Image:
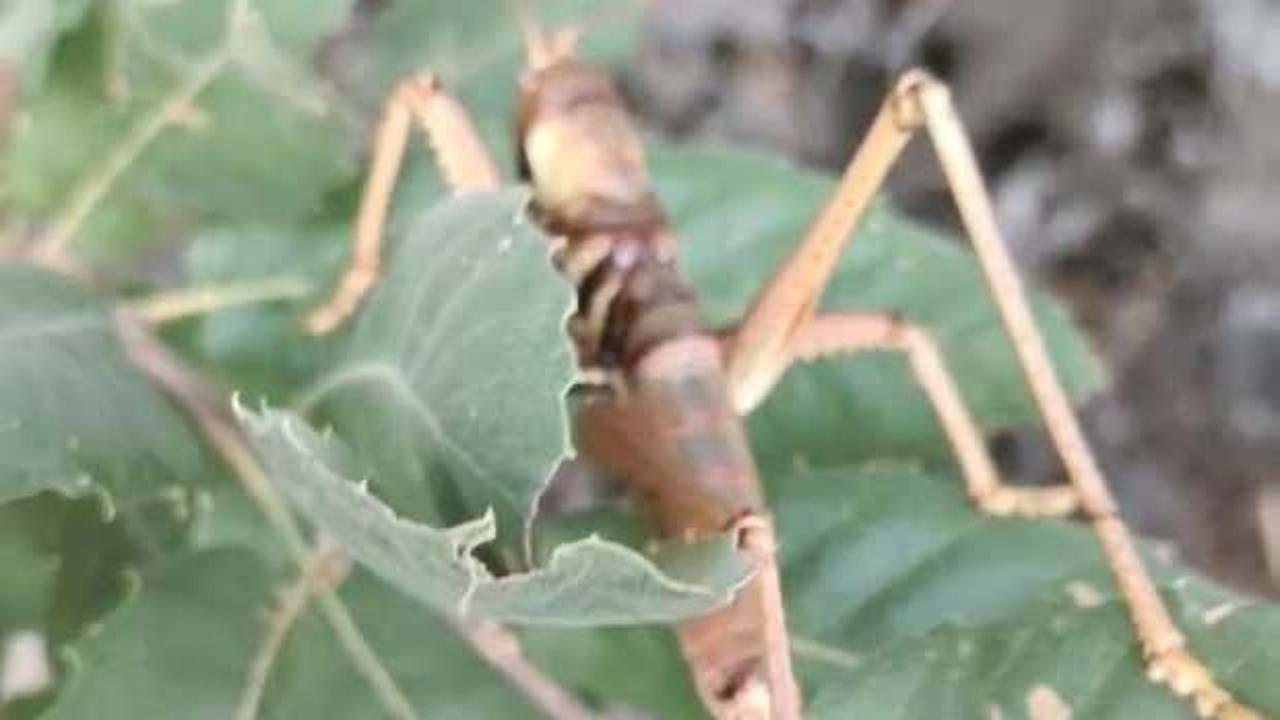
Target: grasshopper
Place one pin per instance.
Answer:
(667, 416)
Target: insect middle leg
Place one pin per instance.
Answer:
(464, 162)
(782, 325)
(833, 333)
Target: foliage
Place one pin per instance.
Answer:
(218, 143)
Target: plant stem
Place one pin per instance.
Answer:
(172, 305)
(293, 600)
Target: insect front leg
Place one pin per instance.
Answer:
(464, 162)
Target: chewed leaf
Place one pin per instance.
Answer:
(450, 393)
(301, 464)
(75, 415)
(594, 582)
(585, 583)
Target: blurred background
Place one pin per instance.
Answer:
(1133, 150)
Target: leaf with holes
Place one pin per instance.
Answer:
(584, 583)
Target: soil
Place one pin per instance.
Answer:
(1134, 160)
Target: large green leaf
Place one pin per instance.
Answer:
(64, 565)
(185, 641)
(74, 414)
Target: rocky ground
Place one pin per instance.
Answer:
(1135, 161)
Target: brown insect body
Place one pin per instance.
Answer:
(669, 428)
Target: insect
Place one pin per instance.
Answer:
(667, 416)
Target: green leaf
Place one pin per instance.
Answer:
(738, 215)
(584, 583)
(903, 600)
(639, 668)
(899, 566)
(450, 391)
(188, 636)
(74, 413)
(64, 566)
